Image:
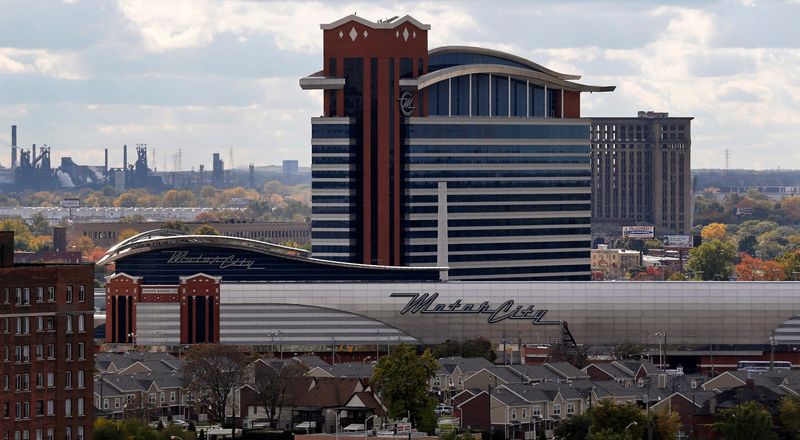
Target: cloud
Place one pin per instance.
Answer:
(60, 65)
(182, 24)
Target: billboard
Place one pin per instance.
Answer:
(71, 203)
(638, 232)
(678, 241)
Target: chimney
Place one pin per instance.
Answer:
(13, 147)
(59, 238)
(6, 248)
(662, 381)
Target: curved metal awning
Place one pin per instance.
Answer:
(500, 54)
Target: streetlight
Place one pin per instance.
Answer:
(336, 415)
(627, 434)
(367, 421)
(132, 337)
(661, 355)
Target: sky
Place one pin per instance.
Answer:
(204, 76)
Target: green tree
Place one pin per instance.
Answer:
(712, 260)
(610, 420)
(574, 428)
(790, 264)
(747, 244)
(214, 372)
(789, 414)
(40, 225)
(175, 225)
(402, 380)
(746, 421)
(23, 238)
(478, 347)
(205, 230)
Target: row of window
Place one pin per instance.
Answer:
(22, 295)
(501, 233)
(22, 352)
(151, 398)
(42, 380)
(43, 323)
(536, 411)
(495, 149)
(42, 408)
(496, 208)
(46, 434)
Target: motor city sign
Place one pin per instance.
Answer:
(222, 262)
(406, 103)
(425, 303)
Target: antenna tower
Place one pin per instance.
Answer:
(727, 160)
(230, 159)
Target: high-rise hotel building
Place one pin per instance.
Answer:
(46, 348)
(457, 156)
(641, 173)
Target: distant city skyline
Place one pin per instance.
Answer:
(206, 76)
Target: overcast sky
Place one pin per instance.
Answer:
(205, 75)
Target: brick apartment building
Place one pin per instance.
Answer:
(46, 349)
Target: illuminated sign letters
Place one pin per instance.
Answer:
(223, 262)
(406, 103)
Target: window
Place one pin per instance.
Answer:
(5, 354)
(513, 413)
(6, 295)
(163, 398)
(570, 408)
(68, 407)
(50, 434)
(105, 403)
(5, 410)
(51, 295)
(81, 350)
(68, 433)
(51, 351)
(51, 323)
(80, 432)
(116, 402)
(69, 323)
(81, 323)
(26, 296)
(524, 413)
(69, 294)
(40, 323)
(537, 411)
(152, 397)
(68, 379)
(81, 380)
(39, 407)
(172, 396)
(39, 380)
(39, 352)
(51, 379)
(81, 293)
(556, 409)
(39, 434)
(6, 325)
(436, 381)
(68, 351)
(80, 406)
(5, 382)
(39, 294)
(18, 296)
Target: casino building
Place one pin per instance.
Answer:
(172, 290)
(463, 157)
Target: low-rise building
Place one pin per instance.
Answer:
(615, 263)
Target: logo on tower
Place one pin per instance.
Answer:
(406, 103)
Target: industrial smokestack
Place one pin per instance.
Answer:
(13, 147)
(252, 179)
(59, 238)
(125, 157)
(33, 158)
(105, 166)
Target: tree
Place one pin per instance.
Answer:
(23, 238)
(712, 260)
(214, 372)
(174, 225)
(84, 244)
(138, 429)
(745, 421)
(273, 388)
(665, 426)
(205, 230)
(574, 428)
(714, 231)
(478, 347)
(789, 414)
(402, 380)
(790, 264)
(610, 419)
(747, 244)
(127, 233)
(756, 269)
(40, 225)
(627, 350)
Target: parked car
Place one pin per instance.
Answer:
(180, 423)
(260, 424)
(443, 410)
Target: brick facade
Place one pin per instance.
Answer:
(46, 352)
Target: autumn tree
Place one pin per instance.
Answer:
(756, 269)
(789, 414)
(574, 428)
(746, 421)
(479, 347)
(712, 260)
(272, 386)
(610, 420)
(213, 372)
(714, 231)
(790, 264)
(205, 230)
(402, 379)
(127, 233)
(84, 244)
